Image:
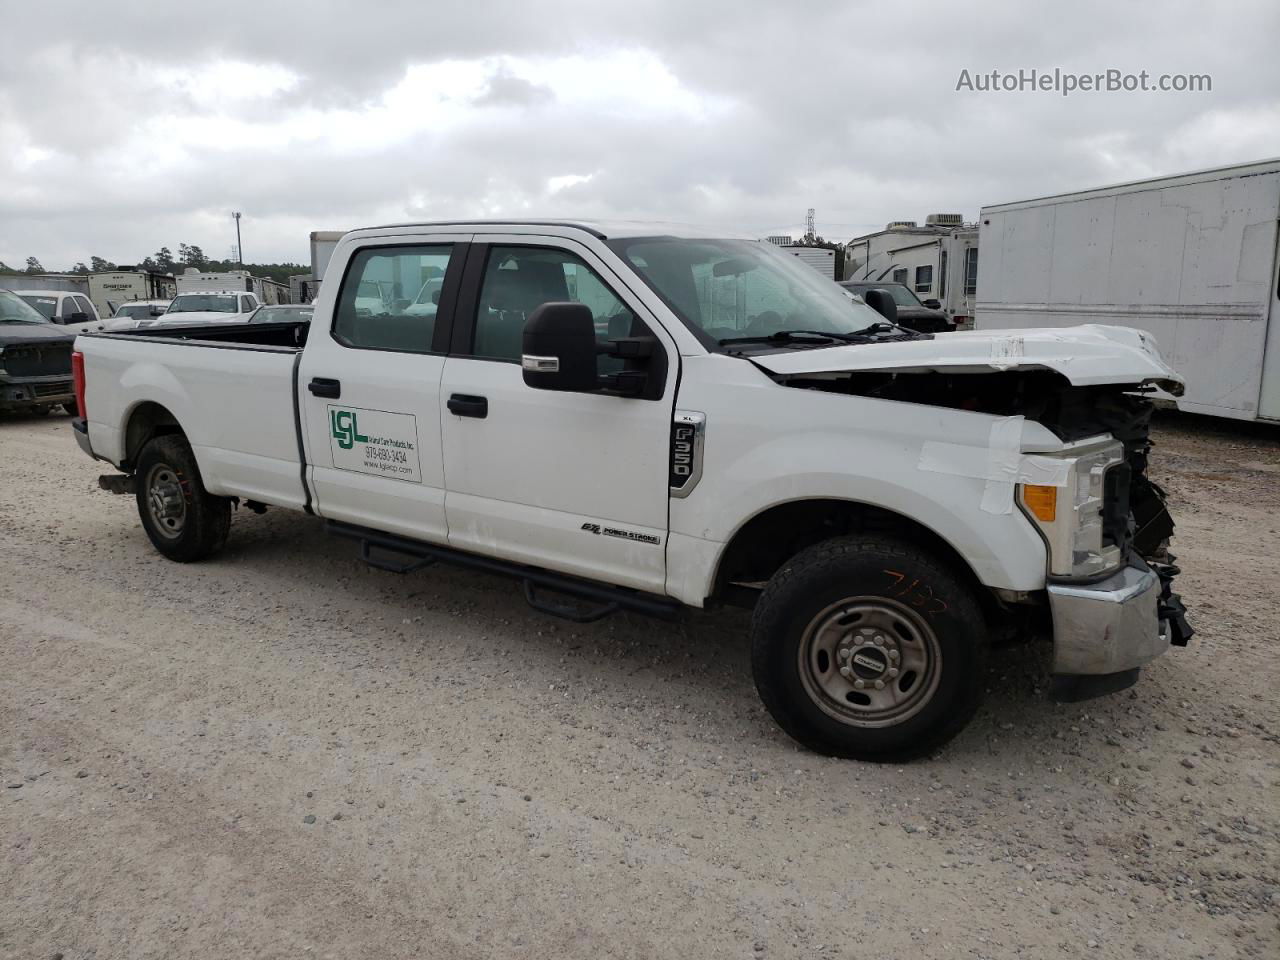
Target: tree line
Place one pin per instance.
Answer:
(164, 261)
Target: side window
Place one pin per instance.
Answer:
(900, 275)
(389, 296)
(517, 280)
(83, 306)
(924, 279)
(247, 304)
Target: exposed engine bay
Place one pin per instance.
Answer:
(1135, 517)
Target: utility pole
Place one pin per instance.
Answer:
(809, 232)
(239, 249)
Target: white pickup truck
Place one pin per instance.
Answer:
(639, 417)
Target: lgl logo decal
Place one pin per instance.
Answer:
(344, 428)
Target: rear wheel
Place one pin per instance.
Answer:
(868, 648)
(183, 520)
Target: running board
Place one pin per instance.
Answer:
(595, 600)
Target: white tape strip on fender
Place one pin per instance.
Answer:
(1001, 463)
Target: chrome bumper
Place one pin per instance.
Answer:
(1109, 626)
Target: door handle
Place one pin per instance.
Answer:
(465, 405)
(324, 387)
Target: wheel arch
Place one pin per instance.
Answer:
(760, 546)
(144, 422)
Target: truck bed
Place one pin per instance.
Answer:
(233, 388)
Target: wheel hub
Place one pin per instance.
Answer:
(870, 661)
(166, 501)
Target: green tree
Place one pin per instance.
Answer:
(98, 265)
(33, 265)
(80, 268)
(192, 256)
(164, 260)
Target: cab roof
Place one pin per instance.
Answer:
(602, 229)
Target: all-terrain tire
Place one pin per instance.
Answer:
(853, 612)
(183, 520)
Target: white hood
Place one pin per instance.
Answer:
(1088, 355)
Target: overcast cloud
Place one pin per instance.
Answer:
(122, 129)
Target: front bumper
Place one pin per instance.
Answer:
(21, 392)
(1114, 625)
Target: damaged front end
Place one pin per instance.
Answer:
(1106, 525)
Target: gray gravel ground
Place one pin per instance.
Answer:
(283, 753)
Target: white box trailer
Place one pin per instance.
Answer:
(1191, 259)
(819, 258)
(228, 281)
(323, 243)
(109, 289)
(64, 282)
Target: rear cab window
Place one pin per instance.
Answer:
(390, 297)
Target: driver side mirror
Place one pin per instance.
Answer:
(933, 304)
(882, 303)
(76, 318)
(560, 348)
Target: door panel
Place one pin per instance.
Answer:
(369, 387)
(576, 482)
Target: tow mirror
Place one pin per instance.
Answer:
(882, 303)
(933, 304)
(560, 348)
(77, 318)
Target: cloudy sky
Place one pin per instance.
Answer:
(123, 128)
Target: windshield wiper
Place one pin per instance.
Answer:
(800, 336)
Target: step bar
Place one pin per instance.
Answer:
(601, 599)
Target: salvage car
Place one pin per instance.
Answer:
(35, 360)
(640, 418)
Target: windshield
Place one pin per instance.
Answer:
(14, 309)
(901, 295)
(727, 289)
(136, 310)
(212, 302)
(282, 314)
(47, 306)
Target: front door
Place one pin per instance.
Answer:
(576, 482)
(369, 387)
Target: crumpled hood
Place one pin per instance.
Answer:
(1088, 355)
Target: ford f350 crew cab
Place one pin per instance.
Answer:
(643, 418)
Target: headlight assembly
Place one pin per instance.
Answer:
(1071, 517)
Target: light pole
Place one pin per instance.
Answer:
(239, 249)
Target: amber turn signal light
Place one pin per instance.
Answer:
(1041, 501)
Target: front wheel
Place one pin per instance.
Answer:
(868, 648)
(182, 519)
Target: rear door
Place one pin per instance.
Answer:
(576, 482)
(369, 388)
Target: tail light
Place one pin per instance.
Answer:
(77, 378)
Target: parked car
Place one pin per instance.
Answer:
(128, 314)
(35, 359)
(633, 418)
(927, 316)
(284, 313)
(75, 311)
(203, 308)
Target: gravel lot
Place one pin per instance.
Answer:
(283, 753)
